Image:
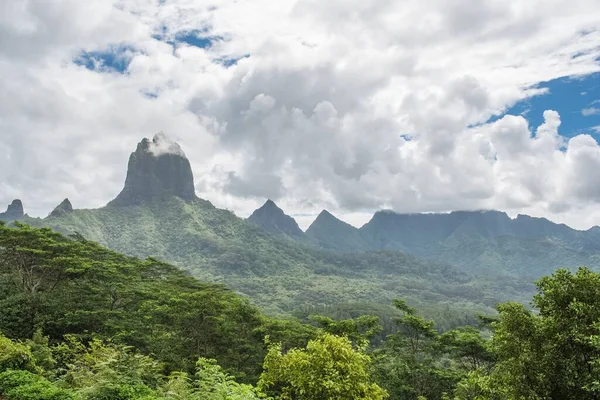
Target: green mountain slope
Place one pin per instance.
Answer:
(484, 243)
(72, 286)
(278, 274)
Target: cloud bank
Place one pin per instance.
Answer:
(347, 105)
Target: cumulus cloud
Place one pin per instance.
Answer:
(347, 105)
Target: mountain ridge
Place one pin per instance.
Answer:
(277, 273)
(64, 207)
(480, 242)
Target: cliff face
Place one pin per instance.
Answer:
(13, 212)
(157, 168)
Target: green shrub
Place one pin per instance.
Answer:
(41, 352)
(117, 391)
(24, 385)
(14, 355)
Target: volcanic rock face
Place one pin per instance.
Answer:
(13, 212)
(157, 168)
(63, 208)
(272, 219)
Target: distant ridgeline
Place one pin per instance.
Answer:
(477, 242)
(333, 264)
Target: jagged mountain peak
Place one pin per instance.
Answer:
(13, 212)
(157, 168)
(270, 204)
(65, 207)
(325, 214)
(332, 233)
(269, 208)
(325, 217)
(274, 220)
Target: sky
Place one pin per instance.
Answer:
(346, 105)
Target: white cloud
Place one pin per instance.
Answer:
(347, 105)
(586, 112)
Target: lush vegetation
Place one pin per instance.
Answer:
(283, 276)
(68, 286)
(81, 322)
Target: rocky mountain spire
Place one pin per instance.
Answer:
(65, 207)
(157, 168)
(13, 212)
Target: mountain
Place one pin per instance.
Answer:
(158, 168)
(331, 233)
(65, 207)
(485, 242)
(272, 219)
(167, 221)
(13, 212)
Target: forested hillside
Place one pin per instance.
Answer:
(278, 274)
(81, 322)
(157, 214)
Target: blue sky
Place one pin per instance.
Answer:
(116, 58)
(570, 96)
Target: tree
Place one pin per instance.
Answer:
(360, 330)
(466, 345)
(409, 364)
(36, 262)
(329, 368)
(478, 385)
(551, 354)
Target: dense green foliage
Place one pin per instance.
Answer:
(553, 354)
(73, 286)
(101, 371)
(329, 368)
(81, 322)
